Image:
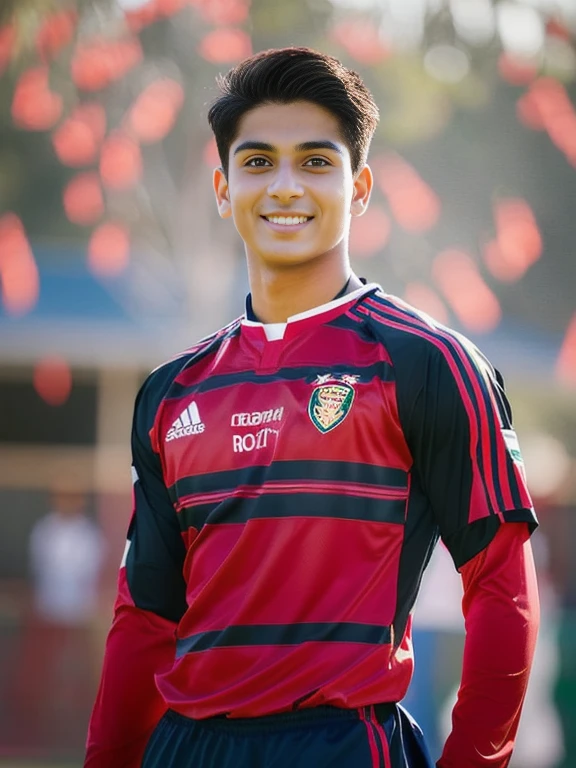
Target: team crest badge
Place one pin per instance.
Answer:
(331, 401)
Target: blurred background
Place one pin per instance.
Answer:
(113, 258)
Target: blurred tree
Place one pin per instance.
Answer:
(151, 72)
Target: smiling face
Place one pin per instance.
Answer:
(290, 187)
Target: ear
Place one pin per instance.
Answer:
(222, 192)
(363, 183)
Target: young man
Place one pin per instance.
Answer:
(292, 474)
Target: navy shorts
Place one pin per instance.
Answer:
(380, 736)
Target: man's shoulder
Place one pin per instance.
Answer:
(169, 369)
(412, 336)
(160, 379)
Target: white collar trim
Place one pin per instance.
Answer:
(276, 330)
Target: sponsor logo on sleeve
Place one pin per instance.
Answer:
(512, 445)
(513, 448)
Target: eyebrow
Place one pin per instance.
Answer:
(306, 146)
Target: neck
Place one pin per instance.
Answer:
(280, 292)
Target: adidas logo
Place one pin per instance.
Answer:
(188, 423)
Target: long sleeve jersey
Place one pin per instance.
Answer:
(288, 494)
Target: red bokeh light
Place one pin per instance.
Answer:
(98, 63)
(473, 302)
(562, 131)
(77, 140)
(528, 112)
(138, 18)
(210, 154)
(120, 161)
(369, 233)
(83, 200)
(153, 114)
(516, 70)
(426, 300)
(518, 240)
(517, 229)
(34, 106)
(56, 32)
(499, 266)
(550, 97)
(7, 40)
(109, 249)
(548, 102)
(226, 45)
(18, 270)
(223, 11)
(170, 7)
(361, 40)
(415, 205)
(555, 28)
(53, 380)
(566, 364)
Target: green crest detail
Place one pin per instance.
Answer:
(329, 405)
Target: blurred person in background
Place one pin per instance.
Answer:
(66, 556)
(55, 671)
(292, 474)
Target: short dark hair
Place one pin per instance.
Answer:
(286, 75)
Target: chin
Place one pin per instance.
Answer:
(288, 259)
(293, 254)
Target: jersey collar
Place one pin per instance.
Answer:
(304, 320)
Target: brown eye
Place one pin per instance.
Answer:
(257, 162)
(317, 162)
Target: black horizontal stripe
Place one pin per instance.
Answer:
(275, 505)
(381, 370)
(302, 470)
(284, 634)
(521, 516)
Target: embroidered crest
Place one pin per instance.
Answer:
(331, 401)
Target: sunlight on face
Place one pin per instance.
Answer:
(290, 185)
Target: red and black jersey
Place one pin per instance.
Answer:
(289, 493)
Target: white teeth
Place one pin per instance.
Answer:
(287, 220)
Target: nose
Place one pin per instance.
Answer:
(285, 186)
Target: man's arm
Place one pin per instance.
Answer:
(466, 458)
(150, 602)
(128, 705)
(501, 611)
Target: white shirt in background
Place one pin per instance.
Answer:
(66, 558)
